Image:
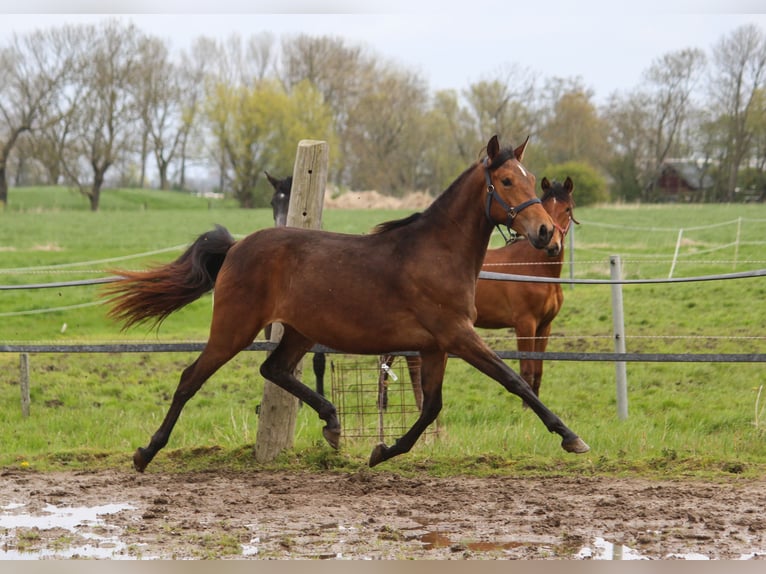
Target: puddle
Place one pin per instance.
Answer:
(599, 549)
(81, 521)
(435, 539)
(602, 549)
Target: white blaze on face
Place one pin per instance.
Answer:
(523, 171)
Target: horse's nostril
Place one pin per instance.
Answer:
(545, 234)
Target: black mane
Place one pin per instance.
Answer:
(397, 223)
(556, 191)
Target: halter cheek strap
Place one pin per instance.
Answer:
(510, 211)
(563, 230)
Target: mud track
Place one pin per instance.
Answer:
(381, 515)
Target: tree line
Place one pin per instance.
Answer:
(83, 105)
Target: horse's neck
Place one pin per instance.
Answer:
(460, 223)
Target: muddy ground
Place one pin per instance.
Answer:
(379, 515)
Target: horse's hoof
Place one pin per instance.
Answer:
(576, 445)
(332, 436)
(139, 463)
(378, 454)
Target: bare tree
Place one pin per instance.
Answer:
(343, 73)
(166, 111)
(671, 80)
(32, 70)
(385, 132)
(192, 74)
(108, 112)
(739, 75)
(503, 104)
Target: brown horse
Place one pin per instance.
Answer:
(529, 308)
(410, 285)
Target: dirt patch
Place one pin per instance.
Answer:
(383, 515)
(417, 200)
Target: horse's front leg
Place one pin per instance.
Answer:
(432, 367)
(476, 352)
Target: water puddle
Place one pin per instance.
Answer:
(599, 549)
(602, 549)
(86, 533)
(437, 539)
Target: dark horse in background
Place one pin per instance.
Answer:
(409, 286)
(280, 202)
(526, 307)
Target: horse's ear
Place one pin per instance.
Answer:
(519, 151)
(545, 184)
(568, 185)
(272, 180)
(492, 148)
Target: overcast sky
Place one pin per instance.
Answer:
(451, 44)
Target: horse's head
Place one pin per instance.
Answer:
(280, 201)
(559, 203)
(511, 198)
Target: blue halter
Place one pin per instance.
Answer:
(511, 212)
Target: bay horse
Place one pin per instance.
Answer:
(527, 308)
(410, 285)
(280, 203)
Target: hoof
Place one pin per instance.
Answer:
(378, 454)
(139, 462)
(576, 445)
(332, 436)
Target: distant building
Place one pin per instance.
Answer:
(682, 181)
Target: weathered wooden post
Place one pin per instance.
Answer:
(279, 409)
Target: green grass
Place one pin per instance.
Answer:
(92, 410)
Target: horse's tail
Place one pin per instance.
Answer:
(140, 296)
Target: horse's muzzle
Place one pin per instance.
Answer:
(553, 248)
(543, 237)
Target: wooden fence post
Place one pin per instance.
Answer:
(279, 409)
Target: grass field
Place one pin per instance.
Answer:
(94, 409)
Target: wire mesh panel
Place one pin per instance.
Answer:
(374, 396)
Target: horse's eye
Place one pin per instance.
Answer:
(506, 181)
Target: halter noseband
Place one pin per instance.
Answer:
(511, 212)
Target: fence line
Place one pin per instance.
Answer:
(93, 262)
(531, 279)
(696, 228)
(190, 347)
(482, 275)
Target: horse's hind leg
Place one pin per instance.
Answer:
(319, 364)
(278, 368)
(432, 367)
(194, 376)
(231, 330)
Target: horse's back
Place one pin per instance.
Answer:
(333, 288)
